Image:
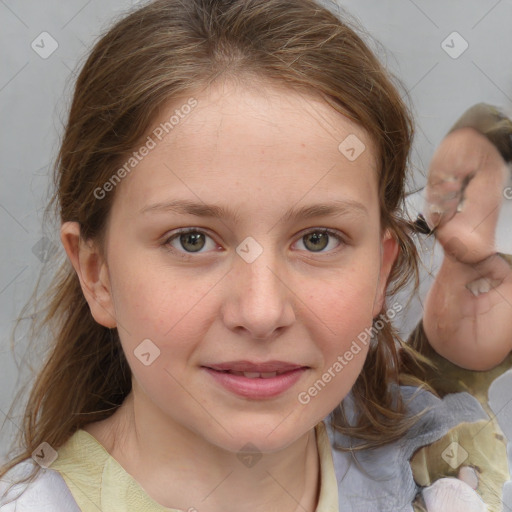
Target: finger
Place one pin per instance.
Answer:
(468, 475)
(444, 197)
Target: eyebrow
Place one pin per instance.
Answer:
(333, 208)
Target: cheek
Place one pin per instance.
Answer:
(153, 302)
(347, 332)
(162, 322)
(340, 322)
(344, 301)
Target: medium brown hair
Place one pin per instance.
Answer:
(170, 48)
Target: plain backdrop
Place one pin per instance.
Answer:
(449, 55)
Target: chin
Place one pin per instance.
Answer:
(262, 436)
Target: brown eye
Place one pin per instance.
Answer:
(193, 241)
(320, 239)
(189, 241)
(316, 241)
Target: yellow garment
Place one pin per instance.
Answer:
(482, 445)
(98, 482)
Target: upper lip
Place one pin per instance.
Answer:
(250, 366)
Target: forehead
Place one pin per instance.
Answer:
(263, 114)
(260, 142)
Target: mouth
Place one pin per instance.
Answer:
(252, 370)
(253, 375)
(256, 380)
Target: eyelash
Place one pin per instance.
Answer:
(186, 254)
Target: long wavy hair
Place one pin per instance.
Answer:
(169, 48)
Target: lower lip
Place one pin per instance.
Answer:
(258, 388)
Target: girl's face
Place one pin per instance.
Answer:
(238, 331)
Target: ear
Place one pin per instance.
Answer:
(92, 272)
(389, 253)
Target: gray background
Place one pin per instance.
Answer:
(35, 92)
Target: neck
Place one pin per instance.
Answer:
(179, 469)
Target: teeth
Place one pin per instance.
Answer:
(258, 375)
(255, 375)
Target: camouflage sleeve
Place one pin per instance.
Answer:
(491, 122)
(475, 451)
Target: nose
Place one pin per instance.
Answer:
(259, 302)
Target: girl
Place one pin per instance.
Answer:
(229, 187)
